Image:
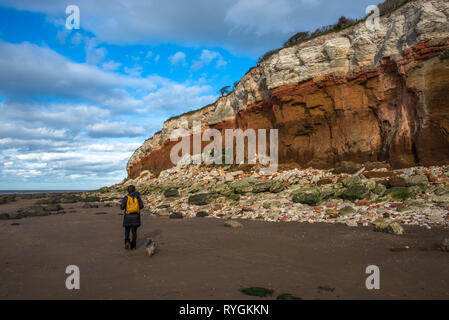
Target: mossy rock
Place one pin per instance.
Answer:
(352, 180)
(329, 191)
(90, 205)
(53, 207)
(49, 201)
(251, 185)
(382, 225)
(287, 296)
(234, 197)
(7, 198)
(309, 198)
(32, 211)
(257, 292)
(380, 189)
(262, 186)
(398, 193)
(242, 186)
(404, 209)
(332, 213)
(355, 192)
(442, 201)
(71, 199)
(277, 187)
(223, 189)
(171, 193)
(201, 199)
(347, 211)
(91, 199)
(396, 228)
(418, 180)
(176, 215)
(202, 214)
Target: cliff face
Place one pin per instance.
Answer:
(354, 95)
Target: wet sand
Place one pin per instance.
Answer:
(201, 259)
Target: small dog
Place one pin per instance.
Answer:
(151, 247)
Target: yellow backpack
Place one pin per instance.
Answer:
(132, 205)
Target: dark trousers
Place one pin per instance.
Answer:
(134, 231)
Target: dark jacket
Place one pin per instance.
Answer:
(133, 219)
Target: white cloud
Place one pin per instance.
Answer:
(206, 58)
(243, 26)
(111, 65)
(94, 55)
(179, 58)
(33, 72)
(114, 129)
(248, 15)
(135, 71)
(174, 98)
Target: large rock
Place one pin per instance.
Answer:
(398, 193)
(176, 215)
(7, 198)
(445, 244)
(201, 199)
(202, 214)
(242, 186)
(388, 227)
(352, 180)
(355, 192)
(277, 186)
(262, 186)
(11, 216)
(32, 211)
(251, 185)
(171, 193)
(418, 180)
(347, 211)
(310, 197)
(442, 200)
(233, 224)
(53, 208)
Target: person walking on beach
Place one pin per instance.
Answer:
(132, 204)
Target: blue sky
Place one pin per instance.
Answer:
(75, 104)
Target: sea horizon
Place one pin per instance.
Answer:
(2, 192)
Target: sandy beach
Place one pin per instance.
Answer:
(200, 258)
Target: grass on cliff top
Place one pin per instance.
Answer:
(189, 112)
(386, 7)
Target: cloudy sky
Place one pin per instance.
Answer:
(75, 104)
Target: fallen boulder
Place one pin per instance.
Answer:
(355, 192)
(201, 199)
(171, 193)
(176, 215)
(309, 197)
(233, 224)
(388, 227)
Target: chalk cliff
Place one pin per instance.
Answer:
(353, 95)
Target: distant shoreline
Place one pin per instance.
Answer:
(39, 191)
